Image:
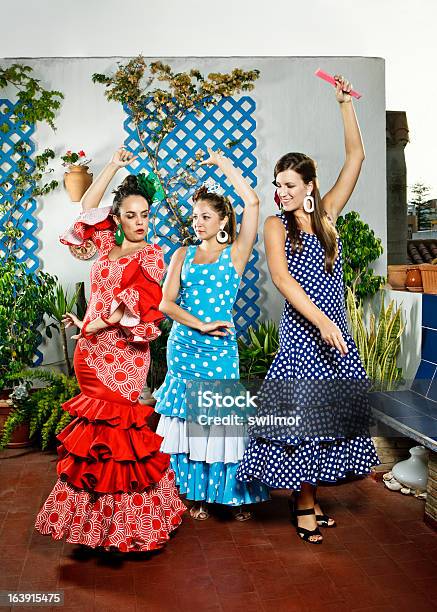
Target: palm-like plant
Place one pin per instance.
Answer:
(379, 345)
(257, 354)
(56, 305)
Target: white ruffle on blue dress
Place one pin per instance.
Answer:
(205, 460)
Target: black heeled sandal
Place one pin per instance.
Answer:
(303, 533)
(323, 519)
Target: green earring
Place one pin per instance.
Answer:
(119, 235)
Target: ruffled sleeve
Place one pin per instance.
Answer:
(95, 224)
(141, 293)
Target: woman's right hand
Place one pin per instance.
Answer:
(217, 328)
(332, 335)
(122, 158)
(70, 319)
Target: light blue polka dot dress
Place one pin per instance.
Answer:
(208, 291)
(281, 459)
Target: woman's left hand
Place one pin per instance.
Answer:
(215, 159)
(342, 89)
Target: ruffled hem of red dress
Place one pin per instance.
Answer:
(131, 522)
(121, 415)
(111, 476)
(108, 447)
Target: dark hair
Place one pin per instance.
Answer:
(127, 188)
(320, 223)
(222, 207)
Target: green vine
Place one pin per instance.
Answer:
(157, 111)
(27, 179)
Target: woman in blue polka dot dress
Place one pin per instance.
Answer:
(304, 258)
(202, 345)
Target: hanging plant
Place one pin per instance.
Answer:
(157, 111)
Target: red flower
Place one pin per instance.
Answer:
(81, 153)
(68, 153)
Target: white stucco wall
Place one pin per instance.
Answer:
(295, 111)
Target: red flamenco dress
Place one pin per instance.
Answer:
(115, 487)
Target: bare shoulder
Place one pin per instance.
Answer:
(179, 254)
(274, 226)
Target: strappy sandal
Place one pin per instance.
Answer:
(241, 515)
(199, 513)
(323, 519)
(305, 534)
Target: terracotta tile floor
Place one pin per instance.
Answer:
(380, 557)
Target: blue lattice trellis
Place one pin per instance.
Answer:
(24, 213)
(229, 120)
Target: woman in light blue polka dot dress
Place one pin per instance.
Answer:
(317, 361)
(202, 345)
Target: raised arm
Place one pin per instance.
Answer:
(170, 293)
(274, 243)
(95, 192)
(249, 222)
(335, 200)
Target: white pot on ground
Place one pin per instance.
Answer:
(413, 472)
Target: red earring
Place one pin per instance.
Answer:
(277, 200)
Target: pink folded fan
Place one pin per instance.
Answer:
(327, 77)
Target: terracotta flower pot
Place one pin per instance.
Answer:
(77, 181)
(414, 280)
(429, 278)
(20, 437)
(397, 276)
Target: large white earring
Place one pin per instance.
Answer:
(222, 236)
(308, 203)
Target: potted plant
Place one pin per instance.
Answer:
(57, 304)
(360, 248)
(257, 353)
(41, 410)
(380, 344)
(22, 309)
(77, 179)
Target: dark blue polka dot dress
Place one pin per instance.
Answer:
(279, 457)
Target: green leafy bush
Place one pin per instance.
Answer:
(42, 408)
(360, 248)
(22, 309)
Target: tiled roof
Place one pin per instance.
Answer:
(421, 251)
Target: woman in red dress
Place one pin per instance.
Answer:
(115, 487)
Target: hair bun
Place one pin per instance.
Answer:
(129, 183)
(128, 187)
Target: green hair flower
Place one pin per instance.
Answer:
(151, 187)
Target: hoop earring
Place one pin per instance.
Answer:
(308, 203)
(222, 236)
(119, 235)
